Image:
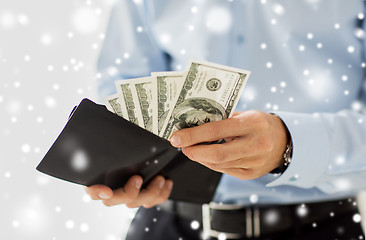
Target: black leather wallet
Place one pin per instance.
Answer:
(99, 147)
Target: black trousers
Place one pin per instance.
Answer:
(156, 224)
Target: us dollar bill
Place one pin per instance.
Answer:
(169, 85)
(210, 92)
(125, 98)
(113, 104)
(144, 93)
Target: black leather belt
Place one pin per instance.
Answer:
(238, 222)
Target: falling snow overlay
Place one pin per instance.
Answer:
(48, 59)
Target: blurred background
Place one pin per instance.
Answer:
(48, 53)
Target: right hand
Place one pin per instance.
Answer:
(157, 192)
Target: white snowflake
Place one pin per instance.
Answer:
(50, 102)
(194, 9)
(278, 9)
(84, 227)
(271, 217)
(222, 236)
(359, 33)
(165, 38)
(310, 36)
(340, 160)
(218, 20)
(253, 198)
(70, 34)
(23, 19)
(80, 160)
(69, 224)
(350, 49)
(195, 225)
(50, 68)
(26, 148)
(356, 218)
(84, 20)
(27, 58)
(86, 198)
(139, 29)
(301, 48)
(263, 46)
(46, 39)
(7, 20)
(58, 209)
(7, 174)
(15, 224)
(302, 210)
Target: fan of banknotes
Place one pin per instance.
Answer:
(169, 101)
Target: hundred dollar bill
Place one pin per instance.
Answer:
(169, 85)
(144, 93)
(125, 98)
(210, 93)
(113, 104)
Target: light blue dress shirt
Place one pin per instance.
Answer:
(306, 59)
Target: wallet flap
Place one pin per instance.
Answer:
(99, 147)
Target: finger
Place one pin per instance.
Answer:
(164, 195)
(220, 153)
(246, 163)
(149, 194)
(127, 194)
(99, 192)
(241, 173)
(209, 132)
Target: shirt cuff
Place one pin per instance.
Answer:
(311, 150)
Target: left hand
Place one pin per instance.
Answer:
(255, 143)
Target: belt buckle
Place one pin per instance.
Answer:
(206, 221)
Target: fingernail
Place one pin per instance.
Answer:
(175, 140)
(161, 184)
(102, 195)
(138, 183)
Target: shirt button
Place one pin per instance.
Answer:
(240, 39)
(294, 178)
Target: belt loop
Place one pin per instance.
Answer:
(257, 222)
(248, 221)
(206, 221)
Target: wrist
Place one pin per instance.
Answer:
(286, 156)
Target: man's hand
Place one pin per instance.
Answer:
(156, 193)
(255, 143)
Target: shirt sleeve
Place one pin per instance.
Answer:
(329, 151)
(129, 49)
